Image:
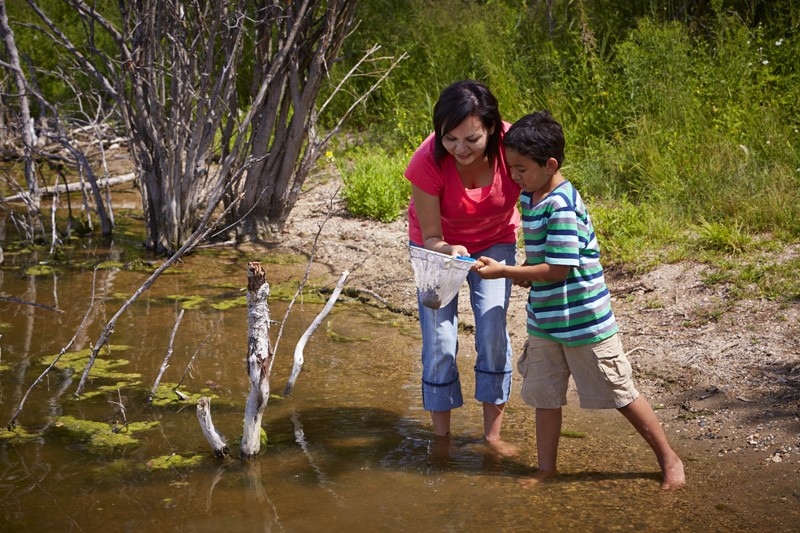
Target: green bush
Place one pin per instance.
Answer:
(374, 186)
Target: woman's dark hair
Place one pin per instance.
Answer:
(537, 136)
(459, 101)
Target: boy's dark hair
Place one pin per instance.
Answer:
(538, 136)
(459, 101)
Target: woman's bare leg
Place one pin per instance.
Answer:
(492, 423)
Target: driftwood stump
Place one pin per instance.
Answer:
(259, 357)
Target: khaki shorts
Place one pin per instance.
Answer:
(601, 372)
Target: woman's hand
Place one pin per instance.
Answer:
(456, 250)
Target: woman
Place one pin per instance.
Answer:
(464, 202)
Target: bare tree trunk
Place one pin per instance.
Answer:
(197, 139)
(259, 358)
(25, 120)
(285, 143)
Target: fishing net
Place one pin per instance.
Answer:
(438, 276)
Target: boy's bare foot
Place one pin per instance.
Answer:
(502, 448)
(538, 477)
(674, 476)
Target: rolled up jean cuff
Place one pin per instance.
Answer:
(492, 387)
(442, 396)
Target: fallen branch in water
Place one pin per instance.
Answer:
(357, 292)
(13, 422)
(165, 363)
(202, 231)
(207, 426)
(34, 304)
(301, 344)
(76, 186)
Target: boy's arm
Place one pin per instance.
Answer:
(543, 272)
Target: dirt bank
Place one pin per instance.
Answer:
(721, 371)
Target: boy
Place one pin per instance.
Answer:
(571, 328)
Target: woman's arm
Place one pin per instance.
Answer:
(430, 222)
(543, 272)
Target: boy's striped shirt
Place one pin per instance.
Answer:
(558, 231)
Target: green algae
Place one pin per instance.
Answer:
(187, 302)
(102, 367)
(114, 469)
(231, 286)
(174, 461)
(286, 290)
(224, 305)
(99, 436)
(165, 396)
(142, 265)
(18, 435)
(110, 265)
(106, 389)
(40, 270)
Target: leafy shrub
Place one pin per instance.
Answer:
(374, 186)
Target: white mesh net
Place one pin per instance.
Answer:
(438, 276)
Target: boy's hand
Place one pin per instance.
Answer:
(491, 269)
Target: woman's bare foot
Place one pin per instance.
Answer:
(502, 448)
(439, 448)
(538, 477)
(674, 476)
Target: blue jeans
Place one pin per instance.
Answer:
(441, 386)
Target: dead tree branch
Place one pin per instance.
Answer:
(211, 434)
(165, 363)
(302, 285)
(34, 304)
(301, 344)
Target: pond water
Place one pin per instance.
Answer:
(349, 449)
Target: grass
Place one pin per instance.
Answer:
(374, 186)
(682, 136)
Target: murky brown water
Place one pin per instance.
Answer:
(350, 449)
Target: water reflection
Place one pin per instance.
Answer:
(350, 449)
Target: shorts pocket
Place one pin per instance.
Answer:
(612, 361)
(616, 369)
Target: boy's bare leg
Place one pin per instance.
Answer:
(641, 415)
(548, 433)
(492, 422)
